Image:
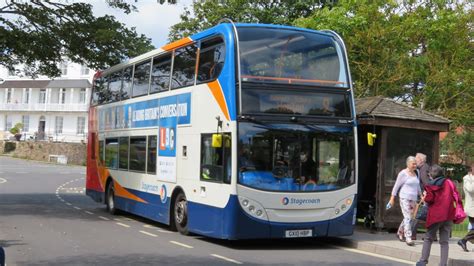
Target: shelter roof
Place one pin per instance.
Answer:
(385, 109)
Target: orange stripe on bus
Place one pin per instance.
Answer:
(216, 90)
(294, 79)
(177, 44)
(122, 192)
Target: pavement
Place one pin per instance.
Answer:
(387, 244)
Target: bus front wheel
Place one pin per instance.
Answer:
(180, 213)
(110, 199)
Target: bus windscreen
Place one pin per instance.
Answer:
(290, 56)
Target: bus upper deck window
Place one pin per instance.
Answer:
(160, 73)
(211, 60)
(184, 67)
(141, 79)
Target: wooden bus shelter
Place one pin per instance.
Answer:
(401, 131)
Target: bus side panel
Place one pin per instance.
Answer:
(94, 188)
(155, 212)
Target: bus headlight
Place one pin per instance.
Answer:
(343, 206)
(253, 208)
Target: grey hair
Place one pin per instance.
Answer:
(422, 156)
(411, 158)
(436, 171)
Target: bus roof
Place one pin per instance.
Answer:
(222, 28)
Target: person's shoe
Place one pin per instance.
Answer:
(410, 242)
(400, 237)
(462, 243)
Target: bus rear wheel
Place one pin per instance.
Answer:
(180, 213)
(110, 199)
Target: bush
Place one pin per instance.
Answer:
(454, 171)
(9, 146)
(16, 129)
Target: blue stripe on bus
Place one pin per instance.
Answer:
(208, 221)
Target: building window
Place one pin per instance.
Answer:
(42, 96)
(82, 96)
(25, 120)
(26, 96)
(81, 123)
(62, 96)
(8, 123)
(63, 68)
(58, 129)
(9, 95)
(84, 70)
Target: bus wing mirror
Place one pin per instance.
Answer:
(216, 140)
(371, 138)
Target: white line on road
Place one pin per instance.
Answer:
(181, 244)
(375, 255)
(150, 234)
(104, 218)
(77, 208)
(164, 231)
(227, 259)
(67, 203)
(2, 180)
(88, 212)
(124, 225)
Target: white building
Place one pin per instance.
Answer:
(49, 109)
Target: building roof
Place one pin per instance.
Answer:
(385, 109)
(54, 83)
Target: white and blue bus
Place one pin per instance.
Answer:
(240, 131)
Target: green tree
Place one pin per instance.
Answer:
(206, 14)
(40, 34)
(417, 51)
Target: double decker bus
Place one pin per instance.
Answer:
(240, 131)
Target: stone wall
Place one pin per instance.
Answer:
(41, 151)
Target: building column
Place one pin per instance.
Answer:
(71, 98)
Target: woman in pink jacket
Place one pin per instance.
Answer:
(439, 194)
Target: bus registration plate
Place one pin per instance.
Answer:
(299, 233)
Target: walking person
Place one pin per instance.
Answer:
(439, 193)
(422, 168)
(468, 187)
(407, 187)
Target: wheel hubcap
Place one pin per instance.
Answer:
(180, 211)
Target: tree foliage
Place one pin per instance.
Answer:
(421, 52)
(206, 14)
(40, 34)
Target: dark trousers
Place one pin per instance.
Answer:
(470, 235)
(444, 229)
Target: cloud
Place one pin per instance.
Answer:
(152, 19)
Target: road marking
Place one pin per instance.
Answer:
(2, 180)
(104, 218)
(374, 255)
(146, 233)
(77, 208)
(88, 212)
(181, 244)
(227, 259)
(67, 203)
(124, 225)
(164, 231)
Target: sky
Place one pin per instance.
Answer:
(152, 19)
